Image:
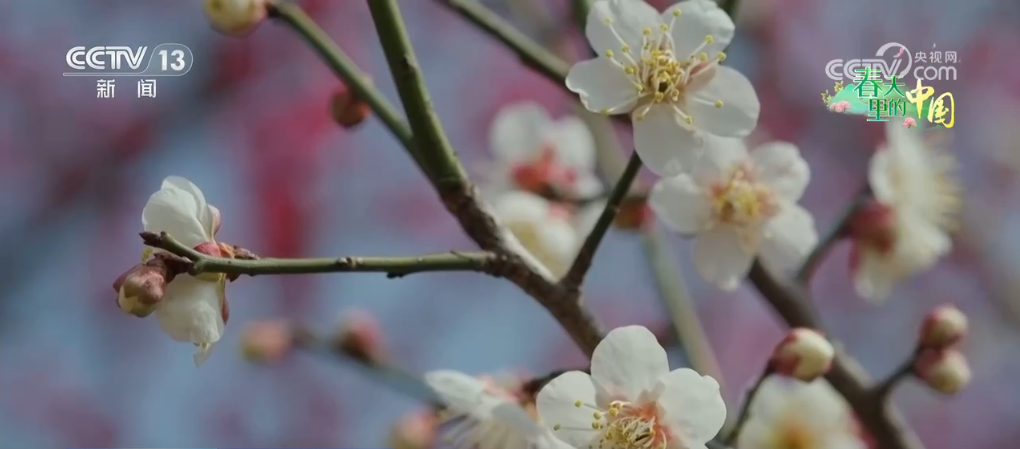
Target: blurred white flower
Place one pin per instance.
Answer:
(787, 414)
(535, 153)
(631, 399)
(906, 228)
(235, 17)
(192, 309)
(482, 416)
(549, 233)
(739, 205)
(664, 70)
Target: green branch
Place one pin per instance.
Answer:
(393, 266)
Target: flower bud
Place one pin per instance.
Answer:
(945, 370)
(347, 109)
(874, 225)
(359, 336)
(235, 17)
(804, 354)
(267, 341)
(633, 215)
(415, 430)
(943, 327)
(141, 288)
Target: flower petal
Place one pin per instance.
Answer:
(628, 361)
(720, 259)
(780, 166)
(738, 114)
(516, 134)
(881, 170)
(874, 275)
(681, 204)
(693, 403)
(756, 433)
(698, 19)
(720, 156)
(176, 212)
(457, 390)
(555, 403)
(204, 211)
(789, 237)
(574, 143)
(626, 21)
(191, 311)
(666, 147)
(550, 240)
(603, 86)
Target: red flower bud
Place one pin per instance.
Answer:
(634, 214)
(141, 288)
(804, 354)
(943, 327)
(874, 225)
(359, 336)
(347, 109)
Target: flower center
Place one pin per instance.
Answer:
(625, 425)
(543, 172)
(794, 436)
(742, 202)
(661, 76)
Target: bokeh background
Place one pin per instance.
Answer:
(249, 124)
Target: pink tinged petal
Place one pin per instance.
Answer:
(681, 204)
(202, 208)
(699, 18)
(628, 18)
(573, 142)
(788, 238)
(692, 403)
(666, 147)
(719, 258)
(721, 155)
(174, 211)
(602, 86)
(217, 220)
(555, 404)
(628, 361)
(516, 134)
(736, 115)
(191, 311)
(780, 167)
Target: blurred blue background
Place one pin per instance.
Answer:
(249, 124)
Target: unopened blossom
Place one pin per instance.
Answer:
(549, 233)
(906, 228)
(739, 205)
(663, 69)
(359, 335)
(540, 155)
(632, 400)
(235, 17)
(415, 430)
(347, 109)
(945, 371)
(140, 289)
(481, 416)
(943, 327)
(193, 309)
(803, 354)
(788, 414)
(267, 341)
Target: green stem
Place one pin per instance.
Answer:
(393, 266)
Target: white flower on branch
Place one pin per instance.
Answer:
(481, 415)
(664, 70)
(192, 309)
(549, 233)
(740, 205)
(535, 153)
(235, 17)
(905, 229)
(789, 414)
(631, 399)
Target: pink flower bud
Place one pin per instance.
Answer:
(945, 371)
(359, 336)
(235, 17)
(874, 225)
(347, 109)
(909, 122)
(804, 354)
(267, 341)
(141, 288)
(943, 327)
(415, 430)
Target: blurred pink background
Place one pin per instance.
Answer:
(249, 124)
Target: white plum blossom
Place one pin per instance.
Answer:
(916, 204)
(663, 69)
(193, 309)
(548, 233)
(789, 414)
(481, 415)
(739, 205)
(534, 153)
(632, 400)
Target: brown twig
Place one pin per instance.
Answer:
(745, 408)
(838, 231)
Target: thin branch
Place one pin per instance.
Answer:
(745, 408)
(884, 389)
(826, 243)
(483, 262)
(575, 275)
